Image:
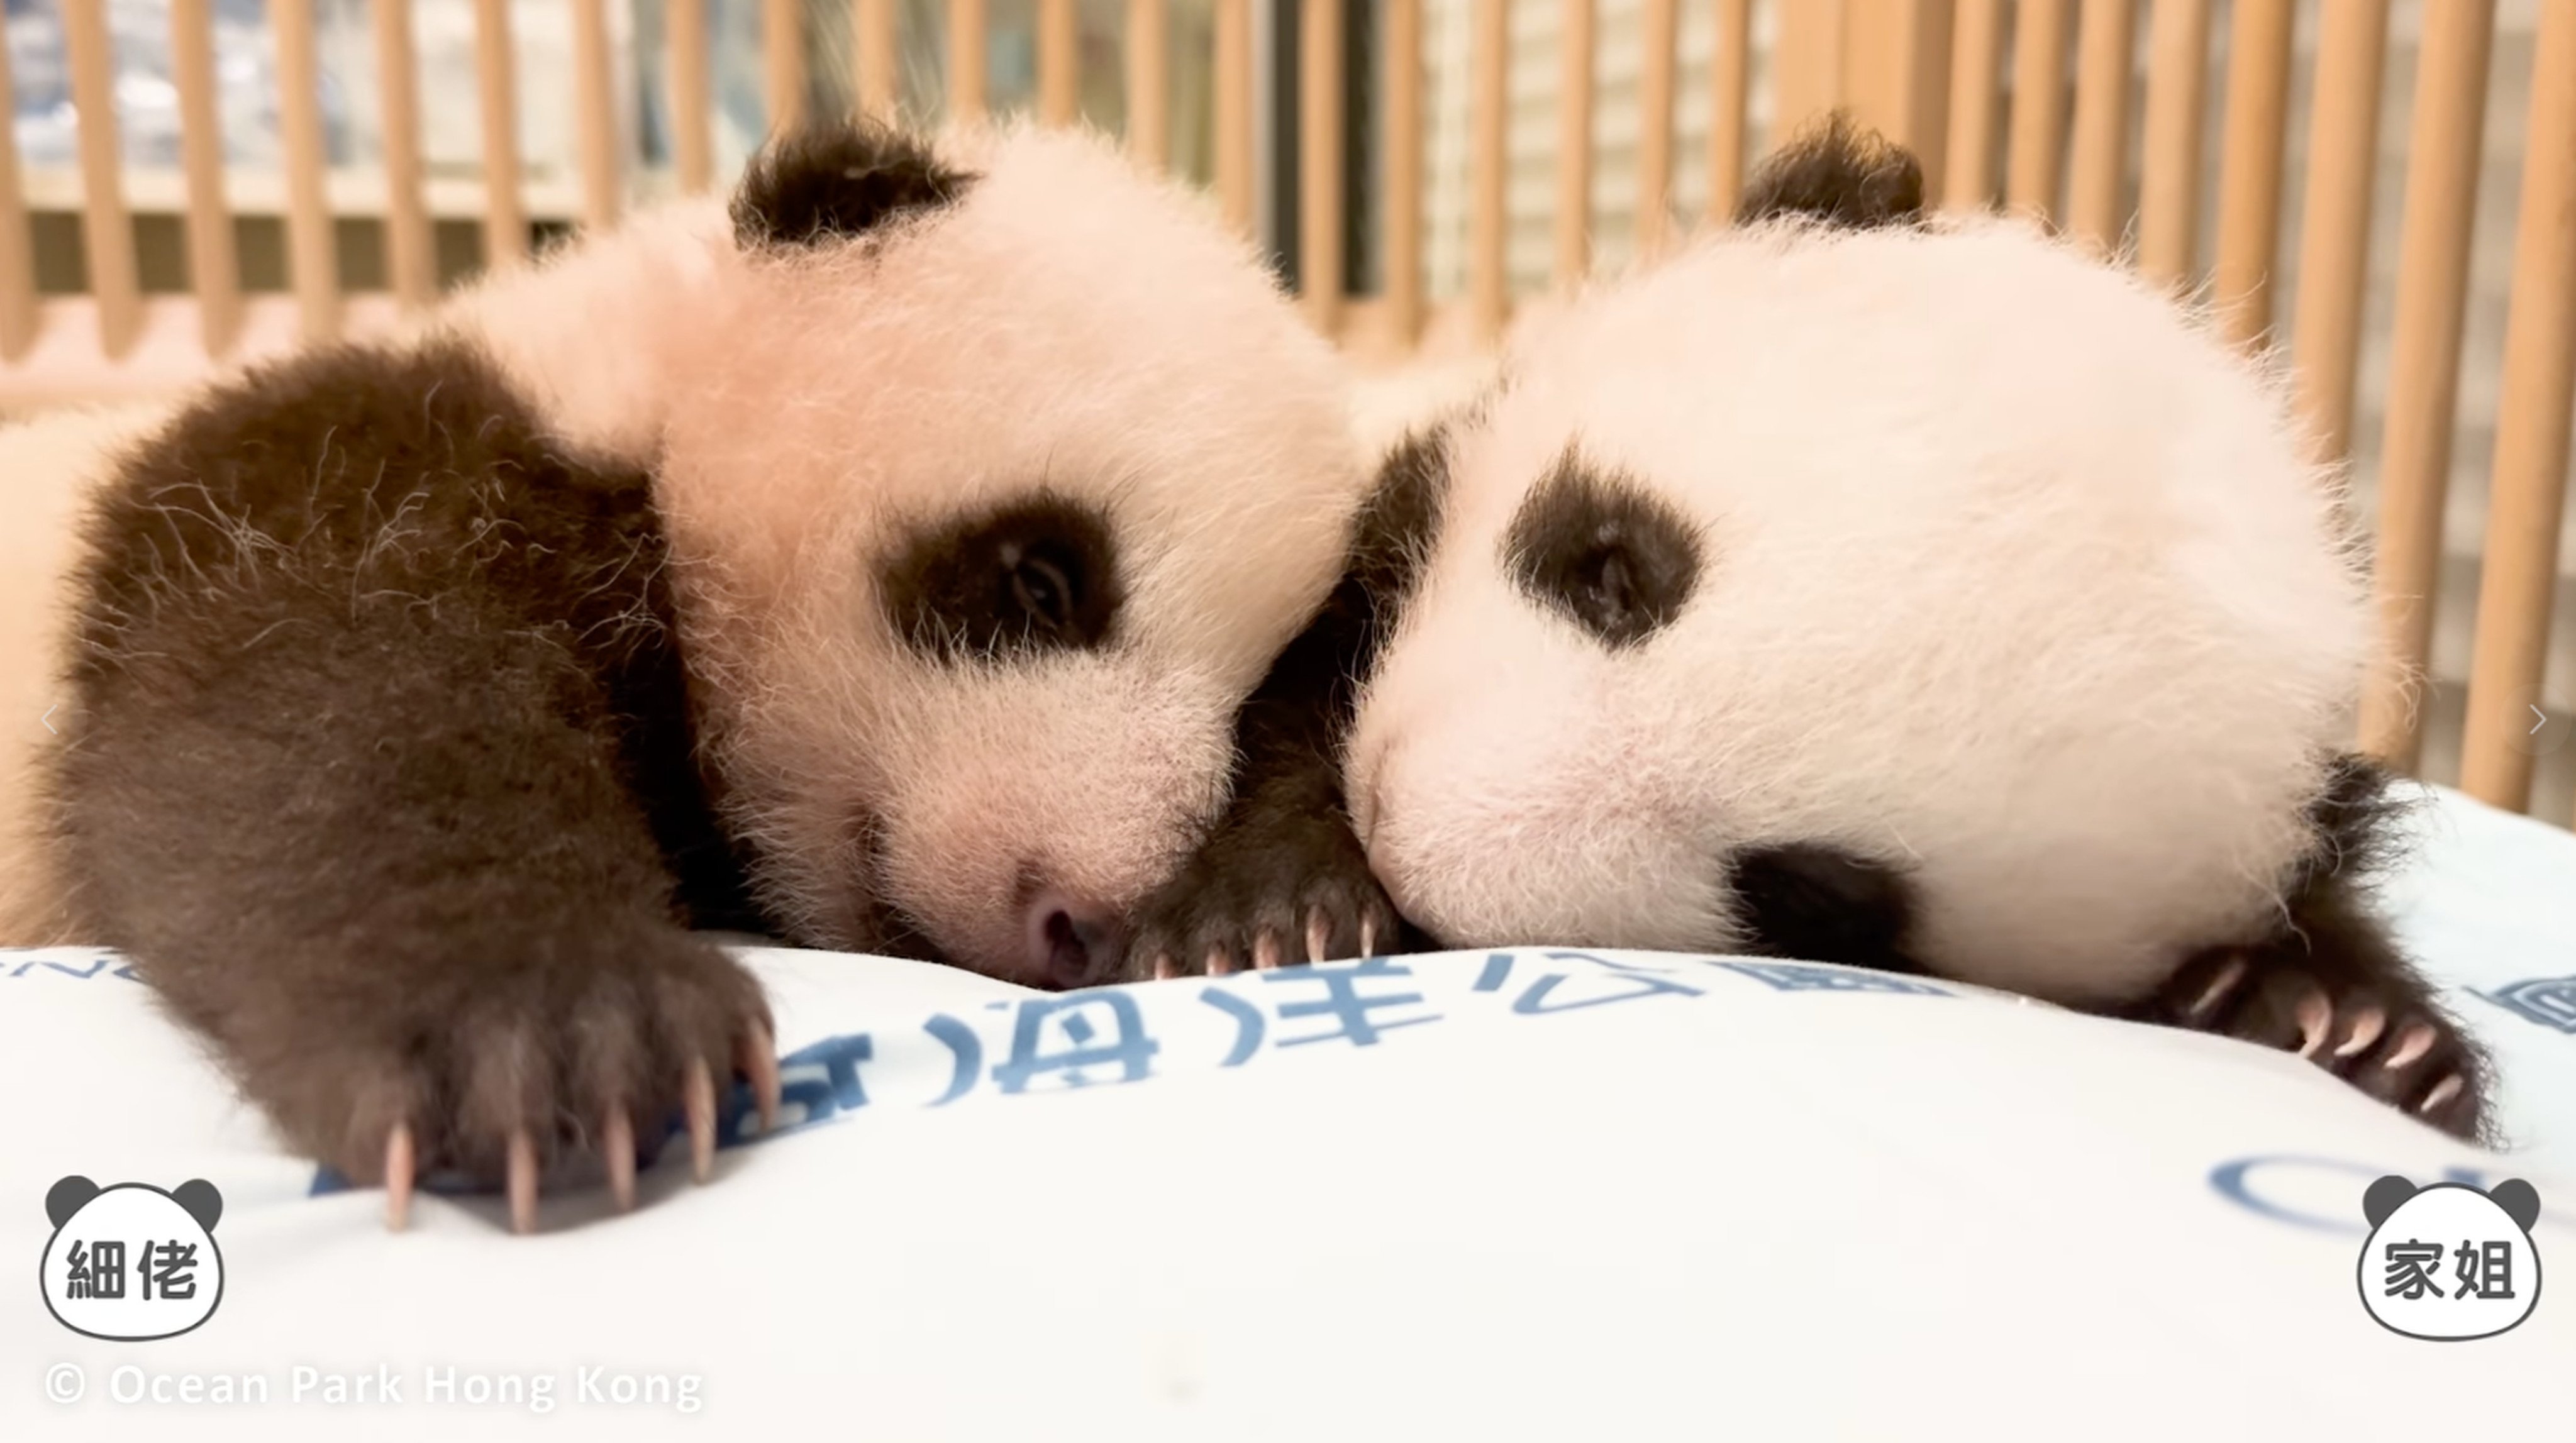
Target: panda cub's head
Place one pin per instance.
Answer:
(994, 473)
(1934, 567)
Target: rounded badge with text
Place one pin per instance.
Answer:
(131, 1262)
(2448, 1262)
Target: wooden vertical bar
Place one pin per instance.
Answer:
(2444, 141)
(107, 231)
(17, 242)
(2105, 43)
(505, 218)
(1806, 65)
(312, 254)
(214, 271)
(1729, 88)
(2518, 574)
(1872, 82)
(1234, 111)
(1059, 62)
(2249, 170)
(878, 47)
(968, 56)
(1574, 145)
(1661, 24)
(2343, 155)
(692, 120)
(782, 62)
(411, 253)
(1488, 285)
(1149, 129)
(595, 114)
(1403, 283)
(1975, 66)
(1319, 161)
(2035, 162)
(2169, 174)
(1896, 74)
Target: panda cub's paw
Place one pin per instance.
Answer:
(2385, 1036)
(1296, 893)
(591, 1051)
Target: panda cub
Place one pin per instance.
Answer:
(877, 562)
(1862, 587)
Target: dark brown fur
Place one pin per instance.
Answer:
(379, 765)
(2330, 944)
(1283, 852)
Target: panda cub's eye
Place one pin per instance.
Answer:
(1604, 552)
(1040, 588)
(1034, 576)
(1607, 590)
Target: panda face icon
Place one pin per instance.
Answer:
(131, 1263)
(2448, 1262)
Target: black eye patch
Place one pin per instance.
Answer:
(1599, 548)
(1038, 575)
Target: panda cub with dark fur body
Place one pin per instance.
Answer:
(877, 563)
(1863, 587)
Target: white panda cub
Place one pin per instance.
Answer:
(878, 562)
(1859, 587)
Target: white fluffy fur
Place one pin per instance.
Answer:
(2013, 574)
(1070, 321)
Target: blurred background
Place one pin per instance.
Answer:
(1431, 219)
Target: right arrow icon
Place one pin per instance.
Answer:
(2536, 726)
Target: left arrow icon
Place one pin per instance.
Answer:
(48, 717)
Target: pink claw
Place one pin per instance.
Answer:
(2443, 1091)
(2412, 1044)
(2365, 1030)
(523, 1182)
(2316, 1022)
(617, 1141)
(398, 1177)
(2219, 986)
(700, 1102)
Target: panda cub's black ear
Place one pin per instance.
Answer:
(1839, 173)
(837, 180)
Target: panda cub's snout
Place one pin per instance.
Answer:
(1071, 941)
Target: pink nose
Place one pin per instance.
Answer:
(1072, 942)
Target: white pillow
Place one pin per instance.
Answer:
(1527, 1194)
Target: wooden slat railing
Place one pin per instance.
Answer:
(2091, 115)
(2424, 362)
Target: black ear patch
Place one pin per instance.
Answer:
(1604, 551)
(2520, 1201)
(1840, 173)
(67, 1197)
(1039, 574)
(2384, 1197)
(837, 180)
(201, 1200)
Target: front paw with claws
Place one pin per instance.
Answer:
(1300, 894)
(2384, 1038)
(505, 1072)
